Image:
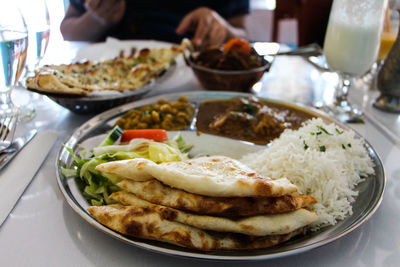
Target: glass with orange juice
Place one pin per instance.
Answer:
(389, 33)
(387, 41)
(388, 38)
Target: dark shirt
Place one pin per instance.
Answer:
(151, 19)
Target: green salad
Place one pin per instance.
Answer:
(97, 186)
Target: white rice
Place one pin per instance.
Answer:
(329, 176)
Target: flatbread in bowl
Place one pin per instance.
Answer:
(93, 86)
(118, 74)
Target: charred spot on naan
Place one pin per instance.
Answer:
(168, 214)
(141, 165)
(134, 228)
(258, 242)
(145, 52)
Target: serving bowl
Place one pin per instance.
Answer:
(228, 80)
(224, 80)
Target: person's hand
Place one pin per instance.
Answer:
(110, 11)
(208, 26)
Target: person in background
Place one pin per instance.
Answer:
(206, 22)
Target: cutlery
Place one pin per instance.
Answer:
(305, 51)
(7, 128)
(9, 153)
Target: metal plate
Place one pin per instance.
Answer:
(367, 202)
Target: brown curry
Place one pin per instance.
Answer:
(247, 119)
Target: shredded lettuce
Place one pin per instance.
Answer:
(178, 142)
(97, 186)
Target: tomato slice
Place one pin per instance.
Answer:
(238, 45)
(158, 135)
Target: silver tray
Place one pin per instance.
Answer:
(367, 202)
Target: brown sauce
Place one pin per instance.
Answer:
(247, 119)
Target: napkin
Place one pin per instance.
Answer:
(17, 175)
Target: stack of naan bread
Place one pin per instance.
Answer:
(207, 203)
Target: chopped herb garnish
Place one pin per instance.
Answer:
(343, 146)
(147, 112)
(324, 130)
(349, 145)
(339, 131)
(316, 133)
(305, 145)
(322, 148)
(250, 109)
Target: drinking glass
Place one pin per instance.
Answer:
(388, 38)
(37, 19)
(36, 15)
(390, 30)
(351, 47)
(387, 41)
(13, 51)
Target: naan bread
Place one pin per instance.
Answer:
(158, 193)
(261, 225)
(117, 74)
(216, 176)
(149, 223)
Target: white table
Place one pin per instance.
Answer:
(43, 230)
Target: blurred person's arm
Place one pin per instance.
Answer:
(92, 24)
(210, 28)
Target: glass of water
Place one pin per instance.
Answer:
(351, 47)
(13, 52)
(36, 15)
